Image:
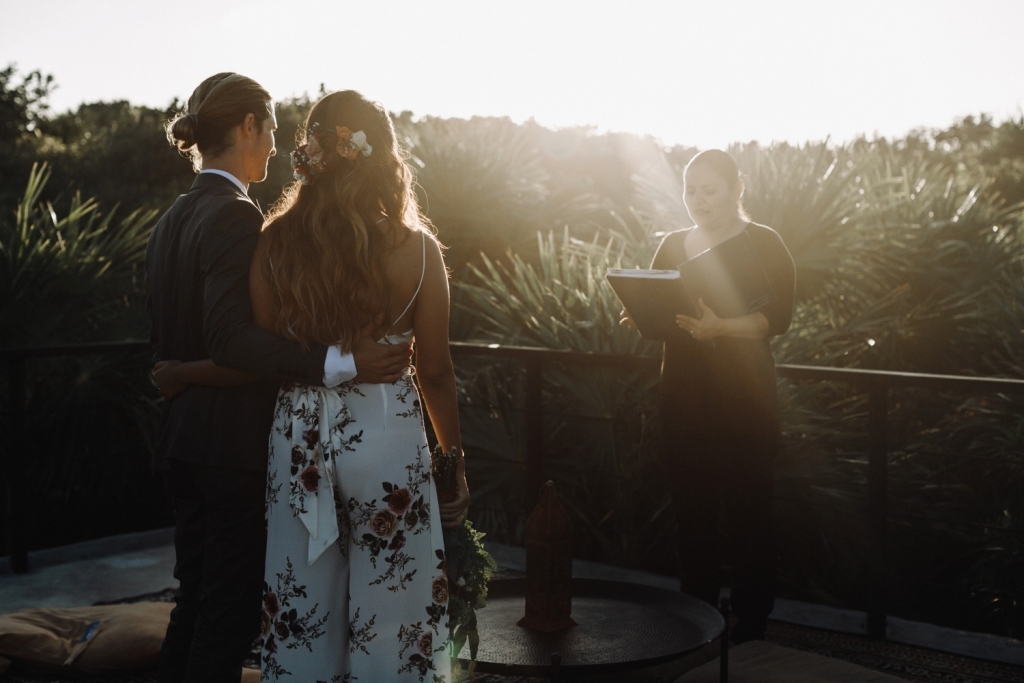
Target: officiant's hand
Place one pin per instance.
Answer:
(708, 326)
(167, 380)
(454, 512)
(625, 319)
(380, 363)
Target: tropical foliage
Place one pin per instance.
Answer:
(68, 277)
(908, 254)
(904, 264)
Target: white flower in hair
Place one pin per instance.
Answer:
(360, 143)
(351, 145)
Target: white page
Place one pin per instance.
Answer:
(643, 273)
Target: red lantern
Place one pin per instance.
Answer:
(548, 565)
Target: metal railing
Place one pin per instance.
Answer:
(877, 384)
(16, 361)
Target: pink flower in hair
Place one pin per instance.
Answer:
(314, 151)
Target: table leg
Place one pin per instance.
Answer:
(723, 674)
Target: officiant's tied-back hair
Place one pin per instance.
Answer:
(724, 166)
(328, 239)
(220, 103)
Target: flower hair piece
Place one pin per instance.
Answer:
(350, 145)
(323, 148)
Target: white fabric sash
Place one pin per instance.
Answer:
(319, 418)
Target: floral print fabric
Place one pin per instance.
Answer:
(315, 421)
(370, 603)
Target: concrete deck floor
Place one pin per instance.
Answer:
(130, 565)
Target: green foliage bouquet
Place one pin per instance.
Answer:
(468, 565)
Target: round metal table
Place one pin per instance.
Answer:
(620, 627)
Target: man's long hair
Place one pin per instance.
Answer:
(324, 244)
(219, 104)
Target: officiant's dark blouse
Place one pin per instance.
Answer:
(729, 387)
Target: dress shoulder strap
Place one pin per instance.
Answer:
(423, 270)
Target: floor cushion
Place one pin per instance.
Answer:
(762, 662)
(100, 639)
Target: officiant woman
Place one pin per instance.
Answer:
(720, 408)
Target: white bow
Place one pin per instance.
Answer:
(320, 409)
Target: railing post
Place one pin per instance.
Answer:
(878, 513)
(15, 482)
(534, 431)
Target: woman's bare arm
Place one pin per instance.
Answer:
(174, 376)
(436, 373)
(433, 360)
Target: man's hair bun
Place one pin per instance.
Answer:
(183, 131)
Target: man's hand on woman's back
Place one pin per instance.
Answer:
(380, 363)
(167, 380)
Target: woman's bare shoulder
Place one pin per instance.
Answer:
(409, 244)
(270, 230)
(267, 234)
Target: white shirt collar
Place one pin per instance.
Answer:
(236, 181)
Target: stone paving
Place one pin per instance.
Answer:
(120, 567)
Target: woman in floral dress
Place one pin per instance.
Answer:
(355, 573)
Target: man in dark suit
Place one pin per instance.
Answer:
(212, 446)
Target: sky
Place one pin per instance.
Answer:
(701, 73)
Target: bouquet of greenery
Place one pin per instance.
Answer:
(468, 565)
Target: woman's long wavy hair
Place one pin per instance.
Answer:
(324, 243)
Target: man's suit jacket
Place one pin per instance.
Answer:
(198, 265)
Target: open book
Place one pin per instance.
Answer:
(728, 278)
(652, 298)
